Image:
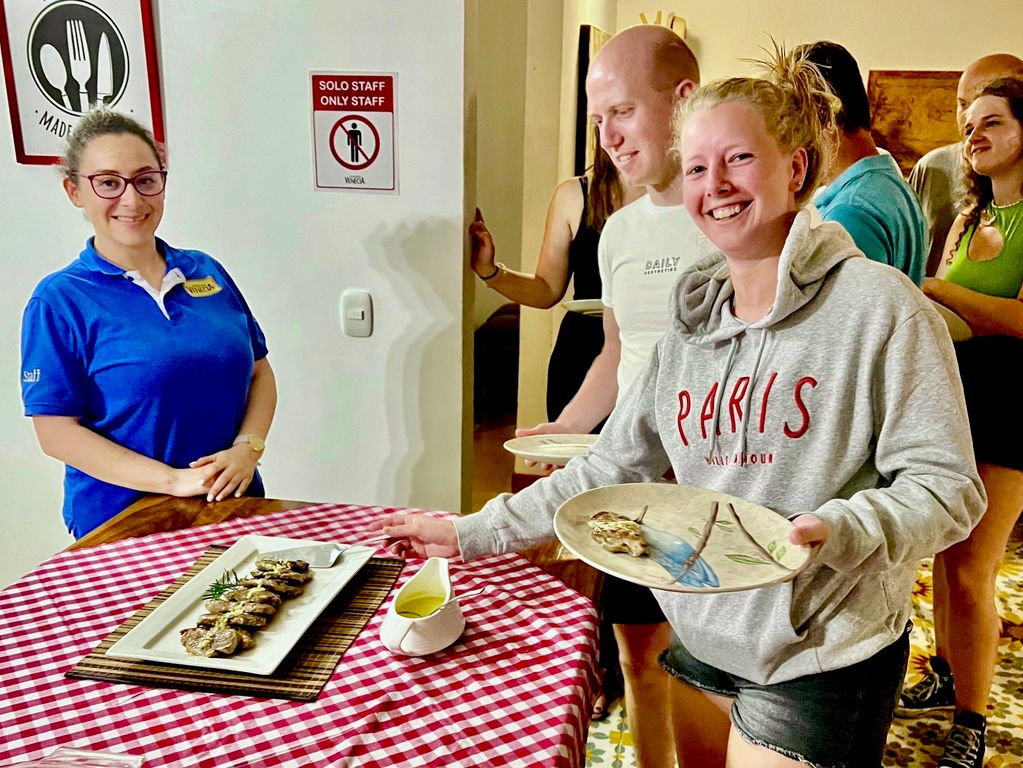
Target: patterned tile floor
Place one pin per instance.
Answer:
(912, 743)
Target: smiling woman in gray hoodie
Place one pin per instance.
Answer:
(804, 377)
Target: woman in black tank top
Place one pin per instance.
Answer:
(576, 214)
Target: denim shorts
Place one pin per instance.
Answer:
(835, 719)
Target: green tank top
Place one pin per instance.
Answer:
(1001, 276)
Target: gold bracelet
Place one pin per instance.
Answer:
(497, 268)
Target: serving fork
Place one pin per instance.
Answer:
(322, 555)
(78, 56)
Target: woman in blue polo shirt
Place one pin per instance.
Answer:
(142, 367)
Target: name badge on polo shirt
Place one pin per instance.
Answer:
(207, 286)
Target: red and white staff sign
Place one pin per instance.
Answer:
(353, 131)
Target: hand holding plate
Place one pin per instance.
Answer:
(809, 529)
(546, 428)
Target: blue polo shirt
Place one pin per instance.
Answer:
(881, 212)
(172, 386)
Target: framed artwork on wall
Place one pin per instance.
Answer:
(672, 21)
(591, 40)
(913, 112)
(64, 57)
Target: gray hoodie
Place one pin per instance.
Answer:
(844, 401)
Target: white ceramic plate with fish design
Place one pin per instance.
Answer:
(585, 306)
(550, 449)
(699, 540)
(157, 636)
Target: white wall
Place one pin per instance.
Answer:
(501, 125)
(541, 169)
(377, 420)
(881, 34)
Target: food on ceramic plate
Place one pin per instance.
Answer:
(617, 533)
(277, 586)
(216, 642)
(253, 595)
(238, 607)
(231, 619)
(291, 571)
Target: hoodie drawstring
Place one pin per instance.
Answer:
(733, 347)
(748, 400)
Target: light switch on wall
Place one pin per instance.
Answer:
(356, 312)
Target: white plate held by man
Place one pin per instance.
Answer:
(550, 449)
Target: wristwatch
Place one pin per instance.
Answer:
(255, 442)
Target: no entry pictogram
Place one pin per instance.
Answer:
(348, 141)
(354, 131)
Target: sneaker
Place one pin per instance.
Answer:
(936, 691)
(964, 747)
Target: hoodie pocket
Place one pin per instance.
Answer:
(749, 634)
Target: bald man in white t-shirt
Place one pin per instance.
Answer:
(632, 89)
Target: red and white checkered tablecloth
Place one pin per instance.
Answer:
(513, 691)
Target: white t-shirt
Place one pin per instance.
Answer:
(643, 248)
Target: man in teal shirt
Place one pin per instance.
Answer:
(866, 193)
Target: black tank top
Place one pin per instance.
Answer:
(582, 253)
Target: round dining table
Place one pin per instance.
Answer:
(512, 690)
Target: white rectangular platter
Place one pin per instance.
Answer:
(157, 637)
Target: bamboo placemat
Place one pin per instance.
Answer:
(300, 676)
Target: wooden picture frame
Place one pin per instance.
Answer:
(591, 40)
(913, 112)
(64, 57)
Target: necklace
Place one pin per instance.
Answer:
(998, 207)
(993, 212)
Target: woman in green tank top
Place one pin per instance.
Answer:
(981, 279)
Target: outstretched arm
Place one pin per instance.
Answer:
(419, 535)
(547, 285)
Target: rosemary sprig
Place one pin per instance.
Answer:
(228, 581)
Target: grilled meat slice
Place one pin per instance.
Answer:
(227, 606)
(240, 619)
(253, 595)
(269, 564)
(215, 642)
(617, 533)
(277, 586)
(271, 569)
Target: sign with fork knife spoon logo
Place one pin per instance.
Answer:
(71, 56)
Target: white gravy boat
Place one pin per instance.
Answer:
(414, 626)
